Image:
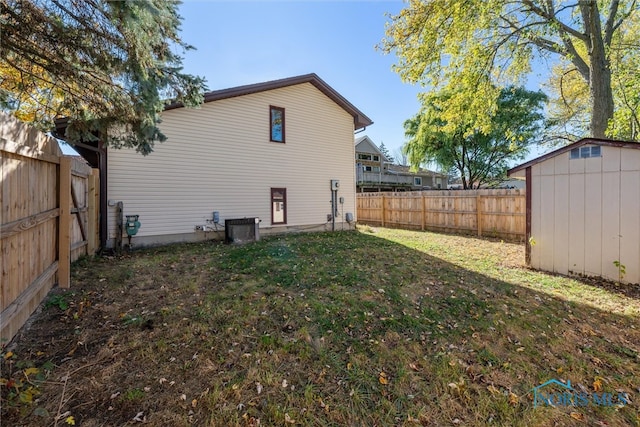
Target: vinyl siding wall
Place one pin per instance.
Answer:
(586, 214)
(219, 158)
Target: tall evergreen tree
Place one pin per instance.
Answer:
(108, 66)
(385, 151)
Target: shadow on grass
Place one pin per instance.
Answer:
(328, 329)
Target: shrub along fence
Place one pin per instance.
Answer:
(496, 213)
(48, 218)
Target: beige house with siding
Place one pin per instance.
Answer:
(375, 173)
(272, 151)
(583, 209)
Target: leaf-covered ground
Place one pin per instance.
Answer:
(372, 328)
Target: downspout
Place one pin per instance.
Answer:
(527, 233)
(102, 160)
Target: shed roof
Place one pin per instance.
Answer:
(584, 141)
(360, 120)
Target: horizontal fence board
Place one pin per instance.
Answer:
(499, 213)
(15, 227)
(13, 317)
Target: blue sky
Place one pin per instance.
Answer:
(244, 42)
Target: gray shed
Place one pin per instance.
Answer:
(583, 209)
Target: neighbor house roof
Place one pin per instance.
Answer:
(368, 140)
(408, 170)
(583, 141)
(360, 120)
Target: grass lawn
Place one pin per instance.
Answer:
(372, 328)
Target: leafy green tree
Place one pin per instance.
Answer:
(108, 66)
(385, 151)
(626, 83)
(477, 156)
(571, 92)
(567, 113)
(459, 42)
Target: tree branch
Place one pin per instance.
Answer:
(552, 18)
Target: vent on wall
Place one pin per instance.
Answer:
(241, 230)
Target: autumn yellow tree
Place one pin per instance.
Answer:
(456, 43)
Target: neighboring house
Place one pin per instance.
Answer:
(374, 172)
(583, 209)
(271, 151)
(511, 183)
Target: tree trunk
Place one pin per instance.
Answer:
(600, 93)
(601, 96)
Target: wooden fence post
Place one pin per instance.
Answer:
(423, 220)
(383, 210)
(479, 214)
(64, 223)
(92, 199)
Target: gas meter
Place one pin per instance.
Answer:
(132, 225)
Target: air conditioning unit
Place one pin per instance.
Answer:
(241, 230)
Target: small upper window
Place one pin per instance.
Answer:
(364, 156)
(276, 123)
(417, 180)
(575, 153)
(586, 152)
(376, 158)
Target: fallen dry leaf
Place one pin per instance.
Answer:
(492, 389)
(383, 378)
(577, 416)
(31, 371)
(597, 384)
(513, 399)
(288, 419)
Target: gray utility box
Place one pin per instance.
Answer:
(241, 230)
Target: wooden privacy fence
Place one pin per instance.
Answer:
(48, 219)
(499, 213)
